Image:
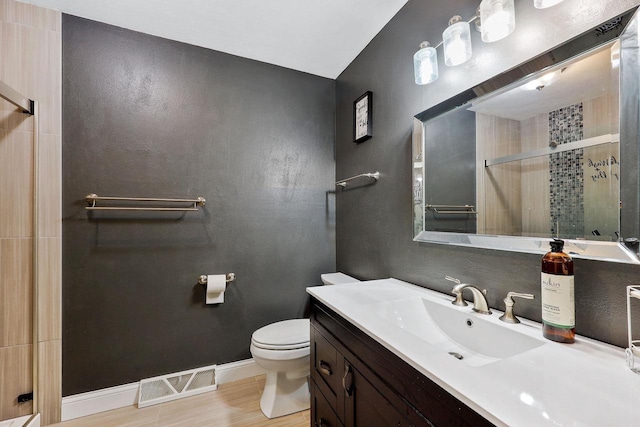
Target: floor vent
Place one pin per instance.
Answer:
(152, 391)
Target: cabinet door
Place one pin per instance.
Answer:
(322, 414)
(327, 367)
(366, 406)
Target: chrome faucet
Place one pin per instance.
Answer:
(480, 304)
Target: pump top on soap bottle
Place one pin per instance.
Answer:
(558, 297)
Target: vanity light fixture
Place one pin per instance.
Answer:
(497, 19)
(456, 40)
(543, 4)
(425, 64)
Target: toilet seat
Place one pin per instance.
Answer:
(281, 336)
(282, 355)
(279, 347)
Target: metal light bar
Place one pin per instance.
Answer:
(584, 143)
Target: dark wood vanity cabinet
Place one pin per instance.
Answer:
(342, 394)
(355, 381)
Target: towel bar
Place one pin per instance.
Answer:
(343, 182)
(93, 198)
(460, 209)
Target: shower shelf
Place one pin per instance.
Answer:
(193, 204)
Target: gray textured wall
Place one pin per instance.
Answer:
(144, 116)
(374, 228)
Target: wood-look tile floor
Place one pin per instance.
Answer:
(233, 404)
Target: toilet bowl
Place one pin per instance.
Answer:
(282, 350)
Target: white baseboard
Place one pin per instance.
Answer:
(93, 402)
(239, 370)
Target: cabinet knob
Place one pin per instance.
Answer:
(320, 422)
(324, 367)
(347, 381)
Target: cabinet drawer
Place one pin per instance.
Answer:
(326, 366)
(322, 414)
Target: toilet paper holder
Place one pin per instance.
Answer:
(202, 280)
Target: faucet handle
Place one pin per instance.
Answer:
(458, 301)
(519, 295)
(508, 315)
(452, 279)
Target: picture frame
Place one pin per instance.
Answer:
(363, 117)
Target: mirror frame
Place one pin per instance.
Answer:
(578, 248)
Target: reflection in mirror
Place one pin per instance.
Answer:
(446, 143)
(536, 159)
(549, 153)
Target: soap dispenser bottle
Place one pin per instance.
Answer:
(558, 300)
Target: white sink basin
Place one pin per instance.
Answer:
(525, 380)
(470, 337)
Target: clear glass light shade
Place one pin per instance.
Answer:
(457, 42)
(497, 19)
(425, 64)
(542, 4)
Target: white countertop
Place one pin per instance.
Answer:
(583, 384)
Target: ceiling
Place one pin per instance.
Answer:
(317, 37)
(588, 77)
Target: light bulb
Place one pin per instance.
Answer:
(541, 82)
(497, 19)
(456, 50)
(456, 39)
(425, 64)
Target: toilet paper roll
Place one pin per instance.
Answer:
(216, 285)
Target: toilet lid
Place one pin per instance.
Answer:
(284, 335)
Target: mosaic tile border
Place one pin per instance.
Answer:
(566, 173)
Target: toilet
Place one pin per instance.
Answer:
(282, 349)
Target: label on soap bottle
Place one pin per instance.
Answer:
(558, 301)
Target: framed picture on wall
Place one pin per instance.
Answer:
(363, 117)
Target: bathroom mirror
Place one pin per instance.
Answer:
(547, 149)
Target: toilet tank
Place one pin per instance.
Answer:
(337, 279)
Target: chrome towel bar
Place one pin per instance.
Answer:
(457, 209)
(343, 182)
(93, 198)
